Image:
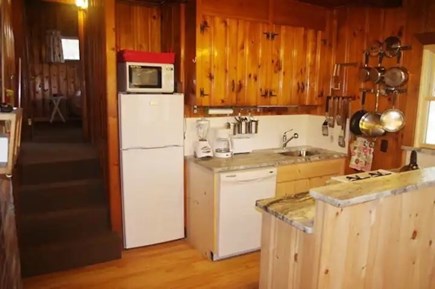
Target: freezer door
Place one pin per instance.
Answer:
(152, 196)
(151, 120)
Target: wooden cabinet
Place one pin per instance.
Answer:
(241, 62)
(297, 178)
(233, 59)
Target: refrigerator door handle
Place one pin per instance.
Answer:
(151, 148)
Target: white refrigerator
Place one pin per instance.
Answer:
(151, 130)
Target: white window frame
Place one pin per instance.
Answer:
(71, 38)
(427, 83)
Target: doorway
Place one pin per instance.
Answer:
(54, 84)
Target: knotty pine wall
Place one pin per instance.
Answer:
(7, 50)
(356, 29)
(97, 29)
(137, 27)
(46, 79)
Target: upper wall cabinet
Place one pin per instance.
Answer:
(236, 61)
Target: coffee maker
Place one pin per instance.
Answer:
(202, 147)
(222, 144)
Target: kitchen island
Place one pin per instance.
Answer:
(373, 233)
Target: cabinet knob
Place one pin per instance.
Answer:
(273, 35)
(267, 35)
(270, 93)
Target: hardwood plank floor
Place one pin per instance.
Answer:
(173, 265)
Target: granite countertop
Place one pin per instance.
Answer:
(348, 194)
(265, 158)
(297, 210)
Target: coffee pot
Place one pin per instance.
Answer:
(222, 144)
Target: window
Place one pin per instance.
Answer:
(426, 111)
(70, 47)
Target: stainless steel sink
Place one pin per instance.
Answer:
(300, 153)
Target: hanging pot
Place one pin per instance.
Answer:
(396, 76)
(392, 46)
(377, 73)
(364, 72)
(375, 48)
(356, 117)
(393, 119)
(370, 123)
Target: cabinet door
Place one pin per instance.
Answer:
(295, 66)
(231, 61)
(292, 187)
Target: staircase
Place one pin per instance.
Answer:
(62, 210)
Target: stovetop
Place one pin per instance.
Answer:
(362, 176)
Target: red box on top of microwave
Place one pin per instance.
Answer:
(149, 57)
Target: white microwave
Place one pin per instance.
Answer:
(141, 77)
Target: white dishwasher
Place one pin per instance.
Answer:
(238, 221)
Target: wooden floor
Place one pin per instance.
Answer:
(173, 265)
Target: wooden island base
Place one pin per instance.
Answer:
(386, 242)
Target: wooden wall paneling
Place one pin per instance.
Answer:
(311, 82)
(244, 9)
(327, 58)
(112, 114)
(295, 13)
(138, 27)
(7, 51)
(173, 39)
(190, 52)
(81, 18)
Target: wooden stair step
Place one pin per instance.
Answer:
(61, 225)
(62, 171)
(59, 196)
(73, 253)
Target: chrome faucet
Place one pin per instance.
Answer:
(286, 139)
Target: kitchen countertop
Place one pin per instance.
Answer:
(264, 158)
(353, 193)
(297, 210)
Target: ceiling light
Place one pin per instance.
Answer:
(83, 4)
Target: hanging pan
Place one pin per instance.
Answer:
(393, 119)
(377, 73)
(396, 76)
(356, 117)
(370, 123)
